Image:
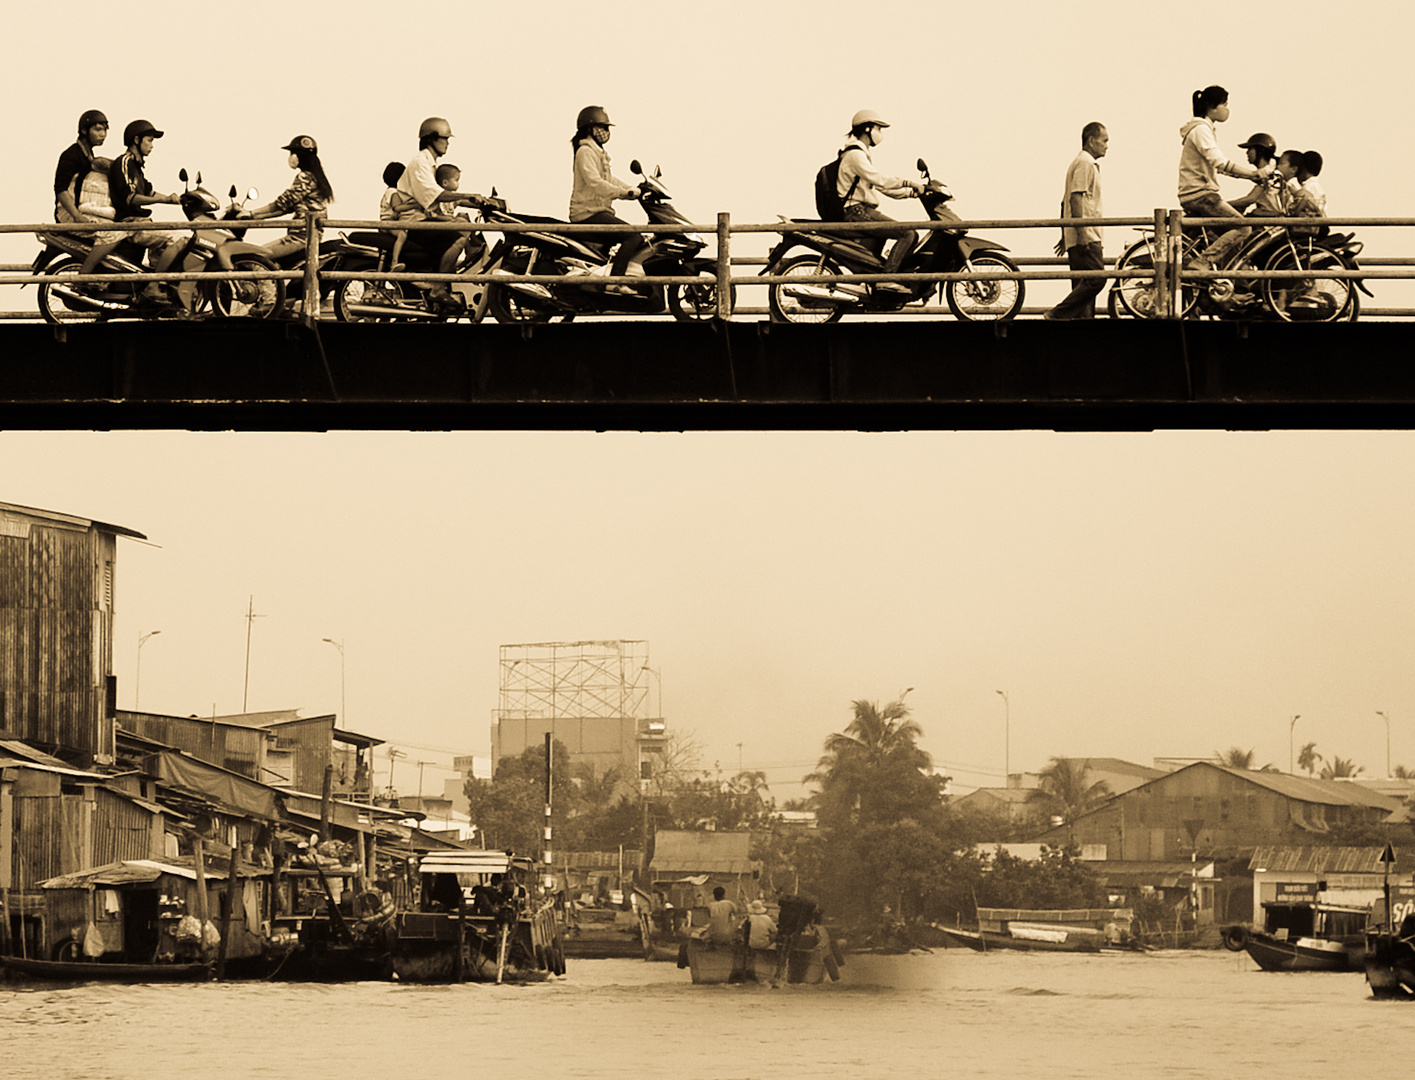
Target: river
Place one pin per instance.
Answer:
(955, 1013)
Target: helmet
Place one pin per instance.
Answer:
(137, 129)
(89, 119)
(1261, 141)
(302, 142)
(434, 125)
(867, 116)
(593, 116)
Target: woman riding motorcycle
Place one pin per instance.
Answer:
(595, 188)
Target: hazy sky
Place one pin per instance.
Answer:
(1136, 595)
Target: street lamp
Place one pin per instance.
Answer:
(1292, 724)
(1006, 740)
(658, 677)
(1386, 718)
(137, 680)
(343, 718)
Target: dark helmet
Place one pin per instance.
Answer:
(302, 142)
(592, 116)
(90, 119)
(137, 129)
(1261, 141)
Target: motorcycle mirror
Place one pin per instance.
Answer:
(198, 179)
(634, 168)
(232, 195)
(923, 167)
(182, 176)
(252, 195)
(657, 172)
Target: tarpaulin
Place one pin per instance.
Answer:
(220, 786)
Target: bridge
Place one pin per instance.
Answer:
(736, 369)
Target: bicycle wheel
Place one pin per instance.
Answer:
(1310, 299)
(1137, 297)
(986, 299)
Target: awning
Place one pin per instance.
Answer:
(465, 862)
(221, 786)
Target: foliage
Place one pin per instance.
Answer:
(1058, 879)
(510, 807)
(1339, 767)
(1403, 773)
(873, 772)
(1308, 758)
(1064, 789)
(1235, 758)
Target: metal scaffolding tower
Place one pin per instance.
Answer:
(576, 680)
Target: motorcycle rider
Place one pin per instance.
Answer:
(860, 184)
(310, 191)
(418, 186)
(1269, 197)
(1200, 160)
(132, 193)
(595, 188)
(75, 163)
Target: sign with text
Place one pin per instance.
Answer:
(1295, 892)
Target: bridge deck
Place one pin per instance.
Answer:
(1108, 374)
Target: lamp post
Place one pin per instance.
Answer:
(1386, 718)
(137, 679)
(1291, 726)
(1006, 740)
(343, 717)
(658, 678)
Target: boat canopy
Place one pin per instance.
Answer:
(466, 862)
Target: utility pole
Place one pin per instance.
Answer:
(393, 756)
(421, 766)
(137, 679)
(1006, 740)
(251, 617)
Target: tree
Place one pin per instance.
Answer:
(510, 807)
(1403, 773)
(1064, 789)
(1341, 768)
(1308, 757)
(873, 772)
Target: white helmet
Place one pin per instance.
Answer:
(867, 116)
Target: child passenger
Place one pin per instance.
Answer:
(1268, 196)
(449, 178)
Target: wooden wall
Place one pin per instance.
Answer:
(56, 626)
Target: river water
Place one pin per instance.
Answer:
(955, 1013)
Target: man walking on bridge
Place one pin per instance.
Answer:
(1082, 199)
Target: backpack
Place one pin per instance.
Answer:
(829, 205)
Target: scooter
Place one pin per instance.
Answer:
(62, 303)
(382, 300)
(580, 263)
(817, 299)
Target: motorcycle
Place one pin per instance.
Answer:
(63, 303)
(382, 300)
(1271, 247)
(816, 299)
(581, 262)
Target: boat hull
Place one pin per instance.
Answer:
(1302, 954)
(1390, 966)
(84, 971)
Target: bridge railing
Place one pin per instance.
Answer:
(1164, 228)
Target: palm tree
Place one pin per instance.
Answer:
(1340, 767)
(1065, 789)
(1404, 773)
(1236, 758)
(875, 745)
(1308, 758)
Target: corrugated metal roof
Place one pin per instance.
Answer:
(1325, 860)
(68, 519)
(138, 871)
(1310, 789)
(679, 852)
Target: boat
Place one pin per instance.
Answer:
(596, 933)
(1308, 936)
(99, 971)
(805, 953)
(1083, 930)
(1389, 962)
(478, 921)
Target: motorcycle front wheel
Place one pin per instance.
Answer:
(249, 299)
(365, 300)
(697, 303)
(986, 299)
(508, 306)
(793, 309)
(1311, 299)
(59, 310)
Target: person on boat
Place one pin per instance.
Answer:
(760, 927)
(721, 915)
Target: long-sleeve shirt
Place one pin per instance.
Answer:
(859, 167)
(300, 196)
(594, 187)
(1201, 160)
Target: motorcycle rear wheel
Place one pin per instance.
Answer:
(697, 303)
(786, 308)
(365, 291)
(986, 299)
(1331, 299)
(249, 299)
(508, 306)
(56, 309)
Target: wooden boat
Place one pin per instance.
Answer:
(1083, 930)
(1309, 936)
(95, 971)
(1389, 961)
(805, 953)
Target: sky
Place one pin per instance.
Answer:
(1136, 595)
